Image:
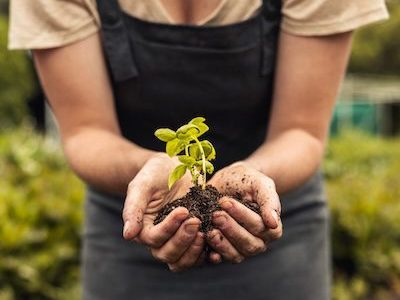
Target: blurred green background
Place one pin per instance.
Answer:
(41, 200)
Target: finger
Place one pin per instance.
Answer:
(156, 235)
(221, 245)
(174, 248)
(244, 216)
(191, 255)
(215, 257)
(274, 234)
(246, 243)
(268, 200)
(134, 207)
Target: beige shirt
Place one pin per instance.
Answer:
(36, 24)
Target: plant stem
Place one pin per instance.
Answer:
(203, 158)
(192, 170)
(187, 150)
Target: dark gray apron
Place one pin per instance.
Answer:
(164, 75)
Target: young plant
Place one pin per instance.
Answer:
(194, 155)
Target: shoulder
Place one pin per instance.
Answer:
(324, 17)
(45, 23)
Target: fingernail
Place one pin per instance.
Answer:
(182, 217)
(275, 216)
(199, 239)
(126, 228)
(226, 204)
(217, 237)
(192, 228)
(218, 261)
(215, 258)
(219, 220)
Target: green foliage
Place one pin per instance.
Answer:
(376, 48)
(363, 185)
(4, 7)
(197, 154)
(16, 81)
(41, 217)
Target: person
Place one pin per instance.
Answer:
(264, 74)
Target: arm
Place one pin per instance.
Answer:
(75, 80)
(309, 72)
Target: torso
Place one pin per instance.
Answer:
(164, 74)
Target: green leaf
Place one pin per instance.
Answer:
(208, 149)
(186, 160)
(176, 174)
(186, 131)
(199, 122)
(209, 167)
(194, 151)
(174, 147)
(203, 129)
(165, 134)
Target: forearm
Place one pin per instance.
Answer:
(104, 159)
(83, 104)
(289, 159)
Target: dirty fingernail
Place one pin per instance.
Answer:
(126, 228)
(192, 228)
(219, 220)
(182, 216)
(275, 216)
(226, 204)
(217, 238)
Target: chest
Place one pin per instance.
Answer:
(190, 11)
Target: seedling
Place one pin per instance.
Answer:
(194, 155)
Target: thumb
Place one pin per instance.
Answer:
(134, 208)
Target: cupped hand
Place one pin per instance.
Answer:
(241, 232)
(175, 241)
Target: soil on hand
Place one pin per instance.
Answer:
(201, 204)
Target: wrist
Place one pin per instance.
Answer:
(252, 163)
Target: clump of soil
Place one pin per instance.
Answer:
(201, 204)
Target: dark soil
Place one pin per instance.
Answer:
(201, 204)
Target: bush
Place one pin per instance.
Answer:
(41, 216)
(376, 48)
(363, 186)
(16, 81)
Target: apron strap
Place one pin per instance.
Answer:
(116, 41)
(270, 27)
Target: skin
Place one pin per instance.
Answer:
(176, 241)
(189, 11)
(292, 151)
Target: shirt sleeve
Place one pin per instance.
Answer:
(39, 24)
(324, 17)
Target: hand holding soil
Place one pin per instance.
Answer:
(244, 228)
(176, 240)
